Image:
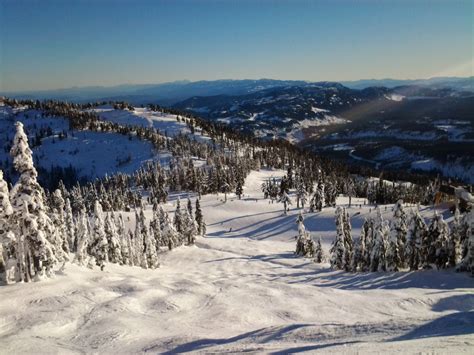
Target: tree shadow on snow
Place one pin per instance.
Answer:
(459, 323)
(429, 279)
(259, 336)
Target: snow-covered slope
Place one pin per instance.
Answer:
(241, 289)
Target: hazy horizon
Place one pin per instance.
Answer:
(52, 44)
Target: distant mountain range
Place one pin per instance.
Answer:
(173, 92)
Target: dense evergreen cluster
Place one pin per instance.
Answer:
(39, 230)
(404, 243)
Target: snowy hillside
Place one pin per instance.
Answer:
(92, 154)
(242, 289)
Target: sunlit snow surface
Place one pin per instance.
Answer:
(242, 290)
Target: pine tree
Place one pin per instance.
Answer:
(170, 234)
(114, 251)
(82, 237)
(317, 201)
(125, 241)
(69, 225)
(416, 234)
(7, 238)
(378, 258)
(201, 225)
(99, 245)
(59, 222)
(301, 195)
(155, 229)
(398, 232)
(442, 243)
(190, 228)
(35, 250)
(151, 256)
(318, 253)
(338, 247)
(348, 243)
(455, 250)
(301, 239)
(239, 189)
(178, 218)
(434, 246)
(358, 262)
(190, 207)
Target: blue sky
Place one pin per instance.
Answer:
(46, 44)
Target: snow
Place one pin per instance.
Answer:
(318, 110)
(242, 290)
(143, 117)
(395, 97)
(452, 169)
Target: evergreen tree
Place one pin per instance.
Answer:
(114, 251)
(59, 221)
(125, 241)
(317, 201)
(201, 225)
(338, 247)
(99, 245)
(178, 218)
(190, 228)
(239, 190)
(35, 251)
(170, 234)
(416, 234)
(378, 258)
(7, 238)
(151, 256)
(455, 249)
(348, 243)
(82, 237)
(398, 232)
(442, 243)
(318, 253)
(69, 225)
(358, 262)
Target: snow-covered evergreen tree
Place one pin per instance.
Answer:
(170, 234)
(378, 257)
(201, 225)
(7, 238)
(455, 249)
(35, 251)
(318, 252)
(358, 261)
(301, 194)
(114, 252)
(397, 241)
(467, 263)
(442, 243)
(416, 234)
(178, 217)
(338, 246)
(151, 256)
(348, 243)
(435, 243)
(125, 241)
(155, 229)
(82, 237)
(69, 225)
(59, 221)
(99, 245)
(317, 201)
(189, 228)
